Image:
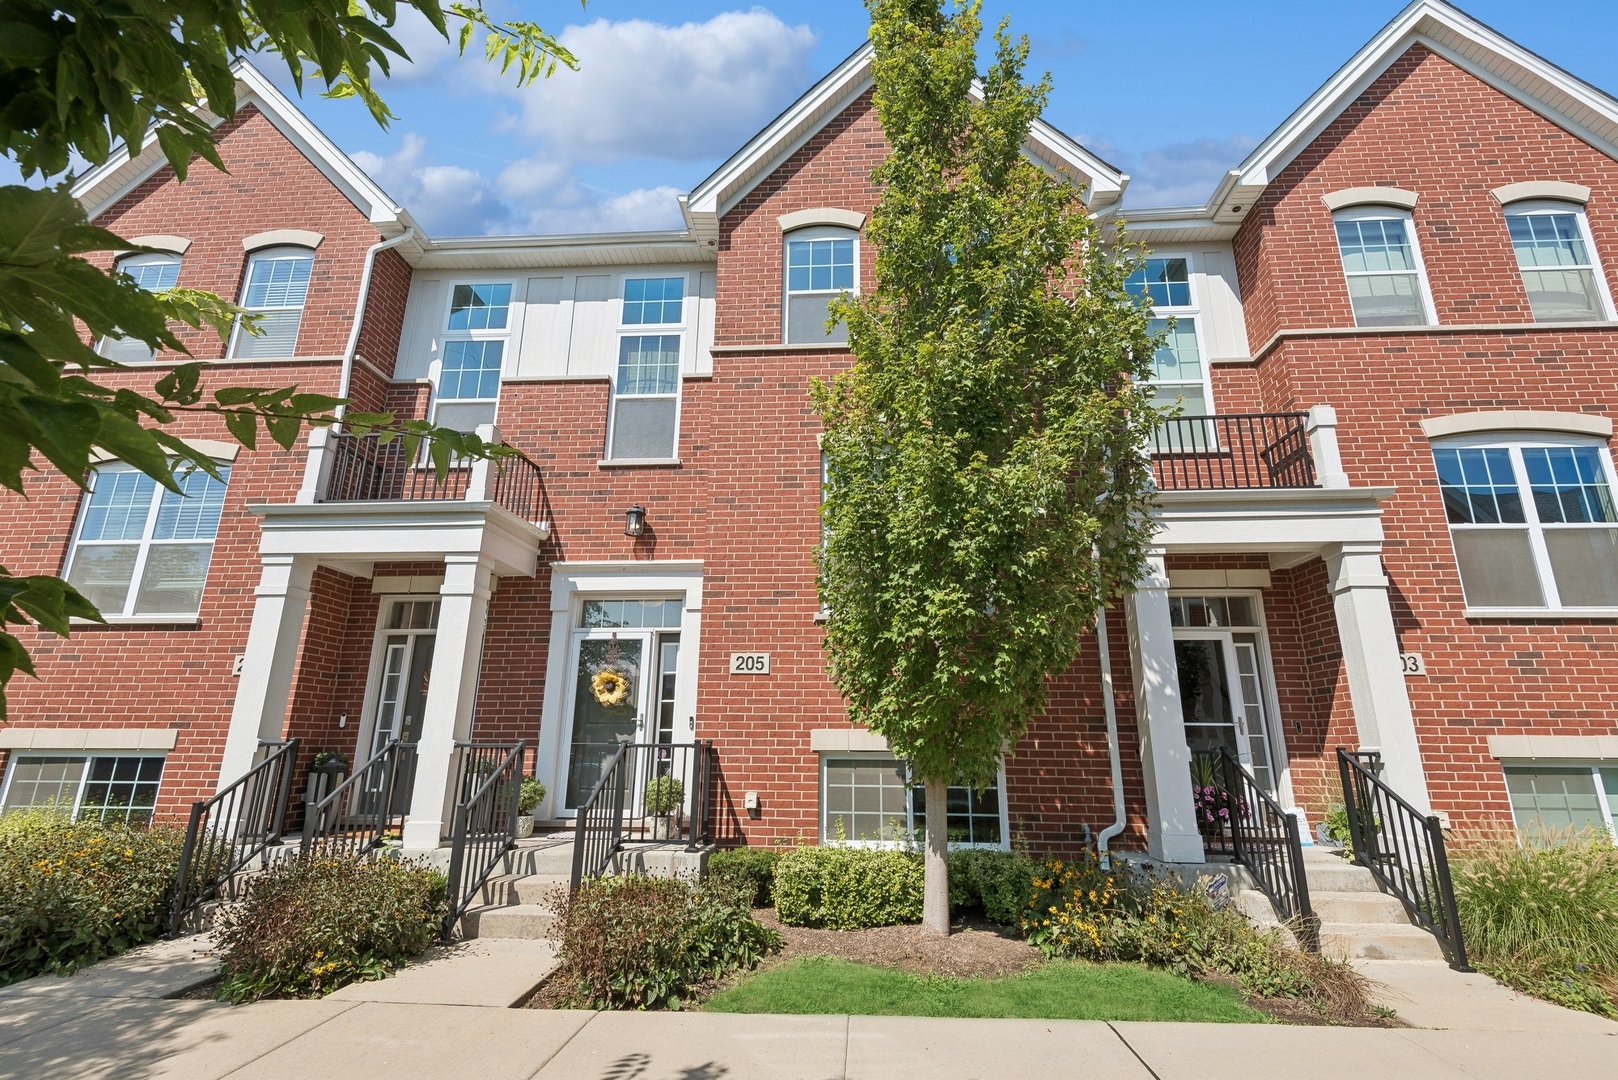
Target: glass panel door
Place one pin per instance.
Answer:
(1222, 698)
(610, 703)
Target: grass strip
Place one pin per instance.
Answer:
(1068, 990)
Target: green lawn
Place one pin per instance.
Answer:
(1056, 991)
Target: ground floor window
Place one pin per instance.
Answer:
(112, 788)
(1547, 800)
(871, 799)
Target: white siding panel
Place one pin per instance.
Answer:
(705, 323)
(590, 346)
(547, 327)
(418, 345)
(1225, 334)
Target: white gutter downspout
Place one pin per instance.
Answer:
(1110, 709)
(359, 313)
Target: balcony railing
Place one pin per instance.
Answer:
(366, 469)
(1234, 450)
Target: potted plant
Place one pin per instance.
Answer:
(529, 796)
(663, 797)
(326, 771)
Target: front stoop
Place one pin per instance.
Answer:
(1357, 920)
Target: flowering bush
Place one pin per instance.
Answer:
(311, 925)
(1214, 806)
(72, 893)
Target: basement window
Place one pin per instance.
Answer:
(120, 788)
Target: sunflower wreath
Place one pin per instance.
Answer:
(610, 687)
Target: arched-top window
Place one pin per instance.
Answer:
(276, 286)
(1558, 262)
(154, 272)
(821, 262)
(1382, 261)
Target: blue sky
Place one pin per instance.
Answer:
(1172, 92)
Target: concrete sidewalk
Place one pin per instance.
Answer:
(115, 1020)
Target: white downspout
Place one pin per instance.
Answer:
(1113, 755)
(352, 348)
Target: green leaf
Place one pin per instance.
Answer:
(243, 426)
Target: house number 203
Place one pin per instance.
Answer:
(749, 663)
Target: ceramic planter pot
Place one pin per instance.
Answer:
(525, 826)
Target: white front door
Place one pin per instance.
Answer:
(612, 689)
(1222, 697)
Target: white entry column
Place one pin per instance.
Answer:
(1376, 684)
(451, 694)
(279, 605)
(1165, 756)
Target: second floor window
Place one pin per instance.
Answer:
(654, 301)
(645, 398)
(141, 549)
(819, 266)
(276, 288)
(154, 273)
(1383, 267)
(1557, 261)
(1179, 377)
(1533, 526)
(473, 355)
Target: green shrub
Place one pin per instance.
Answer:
(847, 888)
(644, 943)
(1000, 883)
(74, 893)
(1543, 919)
(311, 925)
(529, 795)
(664, 794)
(1083, 912)
(752, 869)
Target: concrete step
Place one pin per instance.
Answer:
(540, 855)
(1338, 876)
(528, 921)
(1358, 907)
(1379, 941)
(519, 889)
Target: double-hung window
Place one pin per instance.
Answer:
(474, 351)
(109, 787)
(154, 272)
(1382, 262)
(646, 387)
(277, 287)
(819, 267)
(870, 799)
(1179, 377)
(1557, 260)
(141, 549)
(1533, 523)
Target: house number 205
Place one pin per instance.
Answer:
(749, 663)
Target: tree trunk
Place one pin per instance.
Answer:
(935, 910)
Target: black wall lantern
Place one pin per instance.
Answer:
(635, 521)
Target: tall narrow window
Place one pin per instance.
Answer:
(277, 286)
(646, 398)
(1179, 376)
(819, 266)
(1532, 526)
(155, 273)
(1557, 261)
(473, 357)
(1383, 266)
(142, 549)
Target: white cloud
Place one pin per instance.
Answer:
(680, 93)
(448, 200)
(1177, 174)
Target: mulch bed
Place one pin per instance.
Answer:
(973, 948)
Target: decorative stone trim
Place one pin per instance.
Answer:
(1370, 196)
(421, 583)
(1569, 423)
(174, 245)
(1219, 579)
(825, 215)
(23, 738)
(282, 238)
(846, 741)
(1541, 189)
(1558, 747)
(219, 451)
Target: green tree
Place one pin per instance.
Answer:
(987, 486)
(82, 77)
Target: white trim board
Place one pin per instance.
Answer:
(26, 738)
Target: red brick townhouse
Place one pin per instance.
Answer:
(1386, 516)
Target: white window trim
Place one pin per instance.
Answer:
(815, 232)
(1562, 206)
(266, 254)
(88, 755)
(507, 335)
(1536, 536)
(145, 544)
(641, 329)
(121, 265)
(1595, 768)
(1192, 311)
(1386, 212)
(607, 460)
(373, 670)
(910, 820)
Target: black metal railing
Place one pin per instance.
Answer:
(1404, 850)
(656, 792)
(227, 832)
(1234, 450)
(471, 764)
(1265, 839)
(362, 812)
(483, 828)
(366, 469)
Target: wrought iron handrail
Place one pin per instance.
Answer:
(629, 802)
(1233, 451)
(366, 469)
(230, 830)
(483, 830)
(515, 484)
(1265, 839)
(1404, 850)
(473, 763)
(358, 815)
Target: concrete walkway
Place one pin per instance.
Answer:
(116, 1020)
